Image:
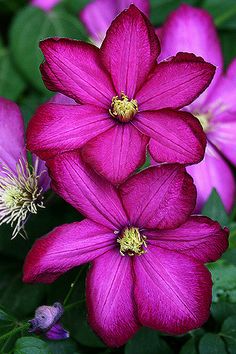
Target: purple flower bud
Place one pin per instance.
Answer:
(46, 321)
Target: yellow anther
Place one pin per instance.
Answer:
(132, 242)
(122, 108)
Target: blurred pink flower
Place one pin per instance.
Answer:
(45, 5)
(147, 252)
(192, 30)
(98, 15)
(21, 187)
(124, 97)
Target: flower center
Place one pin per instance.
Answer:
(20, 195)
(204, 119)
(132, 242)
(122, 108)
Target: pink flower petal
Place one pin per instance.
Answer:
(223, 98)
(231, 71)
(12, 144)
(177, 136)
(175, 83)
(65, 247)
(74, 69)
(172, 291)
(129, 50)
(116, 153)
(192, 30)
(56, 128)
(42, 171)
(159, 197)
(98, 15)
(62, 99)
(213, 172)
(223, 136)
(86, 191)
(199, 237)
(110, 298)
(46, 5)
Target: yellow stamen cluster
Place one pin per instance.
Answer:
(20, 195)
(132, 242)
(122, 108)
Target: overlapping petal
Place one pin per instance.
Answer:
(159, 197)
(116, 153)
(86, 191)
(175, 83)
(176, 136)
(57, 128)
(110, 298)
(65, 247)
(12, 145)
(98, 15)
(172, 291)
(74, 69)
(192, 30)
(213, 172)
(130, 50)
(223, 135)
(199, 237)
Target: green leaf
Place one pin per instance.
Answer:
(230, 256)
(211, 344)
(223, 12)
(11, 83)
(224, 282)
(67, 346)
(5, 317)
(147, 341)
(161, 9)
(32, 25)
(214, 209)
(22, 299)
(189, 347)
(221, 310)
(31, 345)
(229, 51)
(228, 332)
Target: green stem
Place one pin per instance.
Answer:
(74, 304)
(73, 285)
(14, 331)
(225, 16)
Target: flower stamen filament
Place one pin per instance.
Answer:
(20, 195)
(122, 108)
(132, 242)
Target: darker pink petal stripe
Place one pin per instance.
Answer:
(65, 247)
(111, 310)
(159, 197)
(129, 50)
(90, 194)
(57, 128)
(74, 69)
(176, 289)
(199, 237)
(116, 153)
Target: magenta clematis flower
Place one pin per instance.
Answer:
(147, 252)
(21, 186)
(192, 30)
(45, 5)
(124, 97)
(98, 15)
